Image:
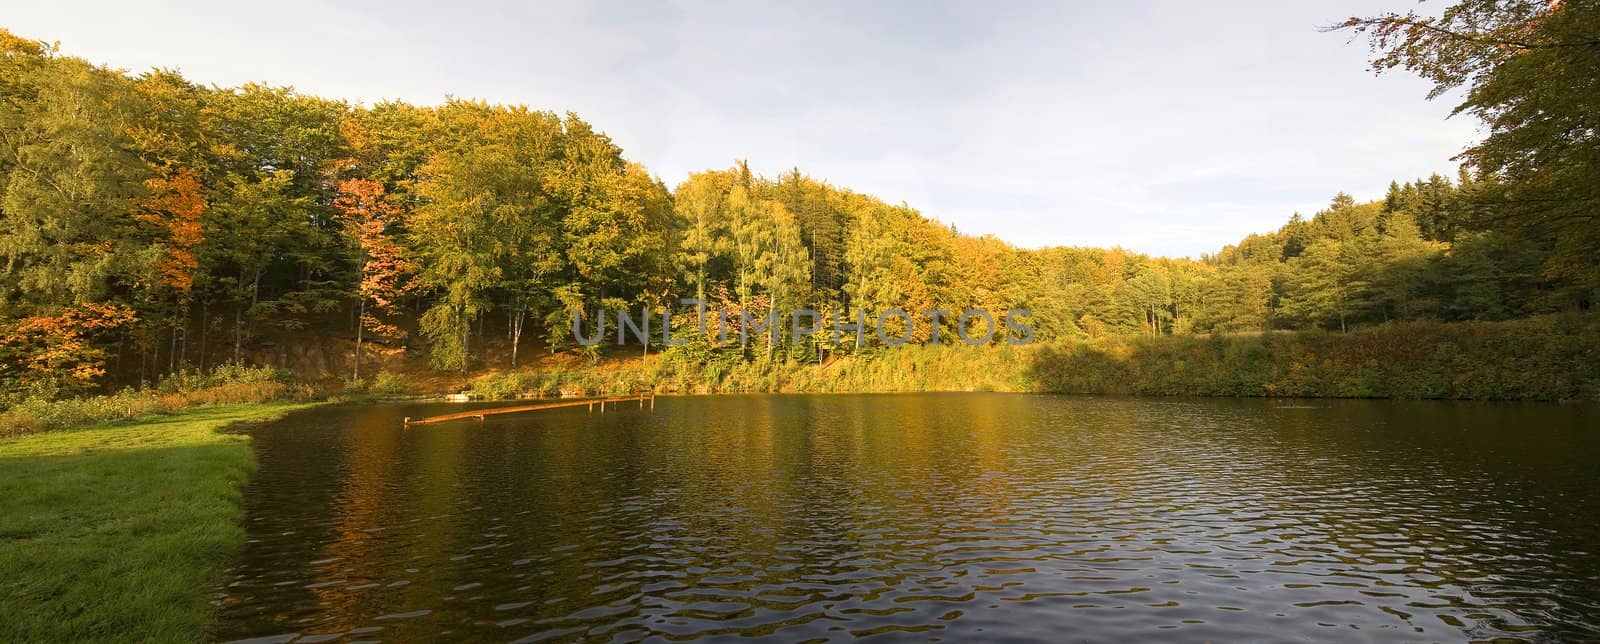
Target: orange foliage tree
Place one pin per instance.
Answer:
(175, 204)
(59, 352)
(384, 271)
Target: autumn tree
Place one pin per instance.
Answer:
(70, 180)
(870, 251)
(702, 237)
(786, 269)
(456, 239)
(370, 222)
(63, 353)
(1528, 68)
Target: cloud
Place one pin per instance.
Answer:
(1165, 127)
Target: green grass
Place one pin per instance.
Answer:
(121, 532)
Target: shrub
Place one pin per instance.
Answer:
(499, 386)
(227, 384)
(389, 383)
(1545, 358)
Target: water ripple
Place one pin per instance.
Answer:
(929, 517)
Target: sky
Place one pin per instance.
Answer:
(1170, 128)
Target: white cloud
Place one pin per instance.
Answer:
(1165, 127)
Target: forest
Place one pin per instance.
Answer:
(150, 225)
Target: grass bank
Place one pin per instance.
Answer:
(1552, 358)
(23, 413)
(900, 369)
(120, 532)
(1548, 358)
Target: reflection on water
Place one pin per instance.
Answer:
(940, 516)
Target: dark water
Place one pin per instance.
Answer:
(928, 517)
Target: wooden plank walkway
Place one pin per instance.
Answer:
(478, 414)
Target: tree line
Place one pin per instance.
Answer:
(149, 224)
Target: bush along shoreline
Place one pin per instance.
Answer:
(911, 368)
(1550, 358)
(40, 411)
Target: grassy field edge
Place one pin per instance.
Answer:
(120, 532)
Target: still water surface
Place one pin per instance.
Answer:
(950, 517)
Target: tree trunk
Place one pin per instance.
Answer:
(466, 333)
(481, 342)
(516, 333)
(183, 342)
(646, 357)
(205, 321)
(361, 312)
(238, 330)
(122, 347)
(860, 319)
(154, 359)
(744, 289)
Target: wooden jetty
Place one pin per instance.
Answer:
(591, 403)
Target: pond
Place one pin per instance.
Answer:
(925, 517)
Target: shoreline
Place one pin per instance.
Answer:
(122, 531)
